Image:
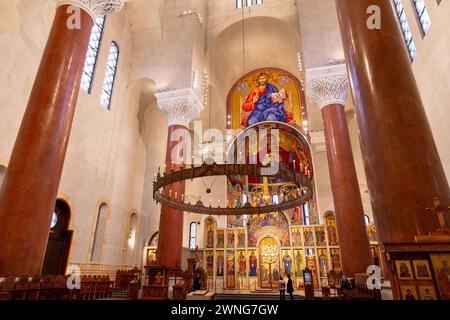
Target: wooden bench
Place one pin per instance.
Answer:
(6, 288)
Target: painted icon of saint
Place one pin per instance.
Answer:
(210, 236)
(253, 264)
(298, 264)
(220, 265)
(242, 265)
(332, 235)
(287, 263)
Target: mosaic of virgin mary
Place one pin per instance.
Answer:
(265, 103)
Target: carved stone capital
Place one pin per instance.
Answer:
(328, 85)
(96, 7)
(180, 106)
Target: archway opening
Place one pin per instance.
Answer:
(59, 240)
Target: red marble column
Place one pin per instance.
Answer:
(170, 237)
(403, 169)
(180, 107)
(353, 241)
(29, 190)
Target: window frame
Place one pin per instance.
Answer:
(405, 28)
(192, 237)
(96, 58)
(114, 75)
(367, 220)
(419, 16)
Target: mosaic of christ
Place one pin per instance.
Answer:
(265, 95)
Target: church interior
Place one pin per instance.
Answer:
(227, 149)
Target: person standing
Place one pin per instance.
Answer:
(290, 287)
(282, 288)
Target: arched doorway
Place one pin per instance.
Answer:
(269, 255)
(59, 240)
(149, 256)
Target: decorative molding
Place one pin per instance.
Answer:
(318, 141)
(328, 85)
(180, 106)
(96, 7)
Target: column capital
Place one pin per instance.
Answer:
(180, 106)
(96, 7)
(328, 85)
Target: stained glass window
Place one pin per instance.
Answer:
(192, 236)
(54, 220)
(91, 54)
(110, 75)
(422, 15)
(275, 199)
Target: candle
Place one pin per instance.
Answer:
(182, 197)
(294, 164)
(176, 195)
(170, 193)
(309, 173)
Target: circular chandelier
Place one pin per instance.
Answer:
(163, 182)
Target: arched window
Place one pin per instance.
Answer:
(2, 174)
(99, 234)
(305, 212)
(249, 3)
(131, 238)
(405, 28)
(193, 236)
(92, 53)
(153, 242)
(244, 199)
(275, 199)
(422, 15)
(366, 219)
(110, 75)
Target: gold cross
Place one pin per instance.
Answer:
(158, 278)
(439, 210)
